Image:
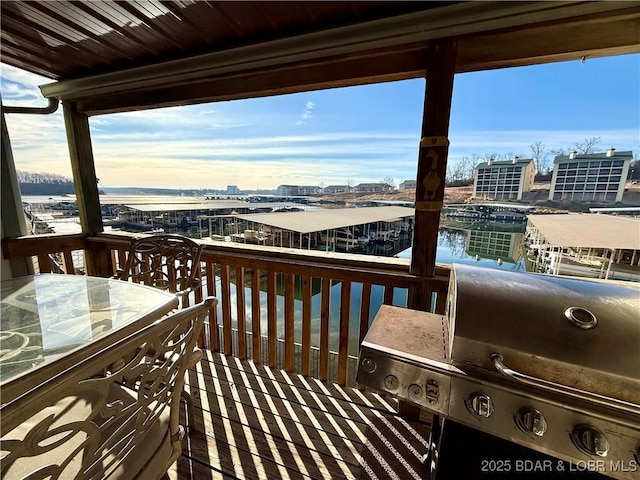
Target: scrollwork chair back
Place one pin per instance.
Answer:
(168, 262)
(113, 416)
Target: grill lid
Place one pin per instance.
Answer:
(584, 334)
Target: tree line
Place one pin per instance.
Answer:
(32, 183)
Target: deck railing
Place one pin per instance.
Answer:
(313, 308)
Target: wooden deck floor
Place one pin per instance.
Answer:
(253, 422)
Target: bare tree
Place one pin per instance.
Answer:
(539, 155)
(587, 145)
(389, 181)
(350, 183)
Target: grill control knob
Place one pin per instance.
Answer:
(415, 392)
(480, 404)
(531, 421)
(588, 439)
(391, 382)
(369, 365)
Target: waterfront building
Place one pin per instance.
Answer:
(336, 189)
(295, 190)
(598, 177)
(233, 190)
(407, 185)
(373, 188)
(503, 180)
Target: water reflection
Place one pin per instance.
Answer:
(489, 244)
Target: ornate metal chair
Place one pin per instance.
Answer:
(113, 416)
(168, 262)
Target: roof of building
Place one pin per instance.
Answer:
(505, 163)
(624, 155)
(322, 220)
(589, 230)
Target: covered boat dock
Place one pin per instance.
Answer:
(341, 227)
(592, 245)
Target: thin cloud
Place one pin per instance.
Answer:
(306, 114)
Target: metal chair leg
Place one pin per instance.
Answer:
(186, 397)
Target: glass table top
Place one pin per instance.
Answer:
(46, 316)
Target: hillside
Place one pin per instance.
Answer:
(451, 195)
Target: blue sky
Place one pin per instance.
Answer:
(361, 134)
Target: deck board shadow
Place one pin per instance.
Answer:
(254, 422)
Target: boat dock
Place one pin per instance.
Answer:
(495, 212)
(344, 229)
(588, 245)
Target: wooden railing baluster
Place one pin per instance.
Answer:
(306, 323)
(365, 307)
(255, 315)
(214, 340)
(241, 314)
(343, 343)
(272, 319)
(325, 310)
(225, 275)
(69, 268)
(289, 333)
(388, 295)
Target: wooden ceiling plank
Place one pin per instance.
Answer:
(67, 51)
(36, 29)
(40, 48)
(124, 42)
(178, 12)
(36, 15)
(230, 21)
(134, 35)
(209, 24)
(40, 66)
(154, 28)
(89, 27)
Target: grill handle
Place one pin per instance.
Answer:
(572, 392)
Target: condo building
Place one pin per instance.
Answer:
(590, 177)
(503, 180)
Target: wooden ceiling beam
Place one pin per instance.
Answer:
(380, 67)
(545, 43)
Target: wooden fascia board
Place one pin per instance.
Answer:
(331, 73)
(544, 43)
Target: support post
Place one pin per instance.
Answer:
(432, 166)
(97, 256)
(13, 222)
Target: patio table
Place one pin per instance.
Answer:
(51, 322)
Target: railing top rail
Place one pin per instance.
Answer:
(339, 266)
(302, 261)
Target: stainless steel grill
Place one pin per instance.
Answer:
(549, 363)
